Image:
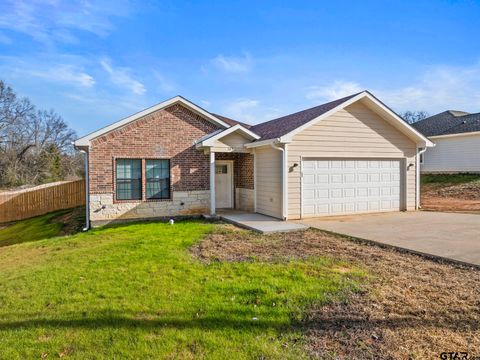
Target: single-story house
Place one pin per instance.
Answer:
(352, 155)
(457, 142)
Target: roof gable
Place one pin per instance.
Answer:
(85, 140)
(209, 140)
(286, 127)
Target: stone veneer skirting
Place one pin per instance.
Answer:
(244, 199)
(103, 209)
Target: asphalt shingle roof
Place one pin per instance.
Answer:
(278, 127)
(231, 122)
(449, 122)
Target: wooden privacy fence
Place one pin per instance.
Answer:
(23, 204)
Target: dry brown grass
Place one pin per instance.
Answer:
(412, 308)
(462, 197)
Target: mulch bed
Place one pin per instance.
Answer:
(412, 308)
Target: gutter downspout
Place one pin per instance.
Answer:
(284, 179)
(420, 151)
(87, 197)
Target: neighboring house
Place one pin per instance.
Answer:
(352, 155)
(456, 135)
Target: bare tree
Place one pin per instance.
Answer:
(414, 116)
(35, 145)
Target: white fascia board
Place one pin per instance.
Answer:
(407, 129)
(85, 140)
(455, 135)
(247, 133)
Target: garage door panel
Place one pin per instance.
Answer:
(309, 210)
(347, 186)
(362, 178)
(322, 179)
(322, 209)
(349, 193)
(336, 164)
(322, 194)
(361, 206)
(309, 195)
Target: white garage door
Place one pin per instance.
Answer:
(337, 187)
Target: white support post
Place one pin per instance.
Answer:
(212, 183)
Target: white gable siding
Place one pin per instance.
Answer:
(453, 154)
(231, 142)
(235, 141)
(355, 132)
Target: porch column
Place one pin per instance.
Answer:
(212, 183)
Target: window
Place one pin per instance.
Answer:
(158, 179)
(129, 179)
(221, 169)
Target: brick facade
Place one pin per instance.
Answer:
(165, 134)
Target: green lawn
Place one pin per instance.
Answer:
(43, 227)
(442, 179)
(135, 291)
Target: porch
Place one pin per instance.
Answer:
(257, 222)
(231, 169)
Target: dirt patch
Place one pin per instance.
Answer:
(466, 191)
(72, 221)
(450, 204)
(451, 197)
(413, 308)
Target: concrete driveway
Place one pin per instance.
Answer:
(449, 235)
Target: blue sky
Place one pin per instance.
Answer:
(96, 62)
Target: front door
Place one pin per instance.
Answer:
(224, 184)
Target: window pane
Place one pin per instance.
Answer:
(158, 179)
(129, 179)
(221, 169)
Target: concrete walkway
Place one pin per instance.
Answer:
(448, 235)
(258, 222)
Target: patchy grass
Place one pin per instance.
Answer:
(57, 223)
(449, 178)
(413, 309)
(135, 291)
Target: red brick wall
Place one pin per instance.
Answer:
(169, 134)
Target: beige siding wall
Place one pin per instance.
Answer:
(453, 154)
(269, 181)
(354, 132)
